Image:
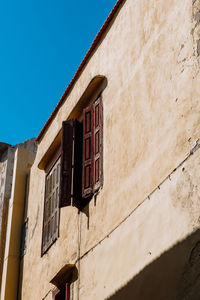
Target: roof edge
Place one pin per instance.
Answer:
(82, 65)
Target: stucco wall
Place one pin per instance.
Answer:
(2, 185)
(15, 164)
(151, 123)
(165, 219)
(6, 171)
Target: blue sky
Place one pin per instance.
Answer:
(42, 43)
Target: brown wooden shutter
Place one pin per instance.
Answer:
(66, 163)
(45, 216)
(51, 207)
(98, 147)
(87, 184)
(55, 203)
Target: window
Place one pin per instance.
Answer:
(92, 148)
(71, 163)
(63, 293)
(81, 158)
(63, 281)
(78, 173)
(51, 207)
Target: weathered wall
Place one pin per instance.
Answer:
(145, 238)
(23, 158)
(151, 123)
(6, 171)
(11, 215)
(3, 165)
(2, 187)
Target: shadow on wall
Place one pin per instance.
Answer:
(175, 275)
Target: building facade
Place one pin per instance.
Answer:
(15, 164)
(112, 209)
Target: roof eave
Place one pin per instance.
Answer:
(92, 48)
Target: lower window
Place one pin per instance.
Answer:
(63, 293)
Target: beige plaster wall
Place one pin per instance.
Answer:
(151, 123)
(6, 171)
(165, 219)
(3, 165)
(10, 276)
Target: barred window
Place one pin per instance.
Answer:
(51, 207)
